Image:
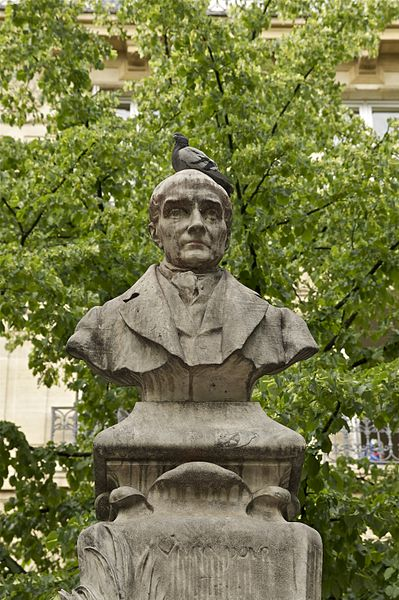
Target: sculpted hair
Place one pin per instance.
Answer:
(159, 195)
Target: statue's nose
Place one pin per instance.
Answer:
(196, 220)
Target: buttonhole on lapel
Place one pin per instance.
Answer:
(134, 295)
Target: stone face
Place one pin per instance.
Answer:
(194, 487)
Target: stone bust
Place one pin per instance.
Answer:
(187, 330)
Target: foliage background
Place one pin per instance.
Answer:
(315, 229)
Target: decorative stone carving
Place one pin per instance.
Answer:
(156, 437)
(205, 539)
(195, 486)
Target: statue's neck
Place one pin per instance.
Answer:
(167, 265)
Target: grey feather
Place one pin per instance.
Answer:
(187, 157)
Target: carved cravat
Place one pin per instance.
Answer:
(195, 290)
(187, 285)
(192, 287)
(195, 312)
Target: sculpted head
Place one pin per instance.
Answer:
(190, 219)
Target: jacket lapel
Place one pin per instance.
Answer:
(213, 317)
(148, 313)
(243, 311)
(233, 306)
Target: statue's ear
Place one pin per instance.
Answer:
(152, 228)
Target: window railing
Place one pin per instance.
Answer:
(64, 424)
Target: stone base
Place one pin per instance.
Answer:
(199, 535)
(158, 436)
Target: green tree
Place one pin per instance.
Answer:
(315, 229)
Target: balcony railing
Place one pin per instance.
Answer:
(364, 440)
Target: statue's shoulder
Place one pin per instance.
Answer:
(146, 284)
(101, 322)
(234, 286)
(279, 338)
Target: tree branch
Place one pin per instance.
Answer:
(371, 272)
(171, 120)
(73, 454)
(225, 116)
(305, 493)
(167, 52)
(332, 417)
(266, 174)
(221, 90)
(307, 214)
(348, 322)
(66, 453)
(166, 45)
(345, 325)
(31, 228)
(14, 214)
(215, 70)
(25, 234)
(290, 100)
(71, 168)
(10, 562)
(99, 185)
(256, 32)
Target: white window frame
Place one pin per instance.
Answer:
(367, 108)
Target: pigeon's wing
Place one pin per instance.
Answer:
(192, 158)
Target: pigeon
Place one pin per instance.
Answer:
(186, 157)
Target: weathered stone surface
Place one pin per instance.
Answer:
(194, 341)
(157, 437)
(196, 538)
(201, 337)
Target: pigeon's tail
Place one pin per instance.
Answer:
(221, 180)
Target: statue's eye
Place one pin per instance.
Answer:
(176, 212)
(210, 213)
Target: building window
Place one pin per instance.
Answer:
(380, 120)
(64, 424)
(218, 8)
(126, 108)
(376, 114)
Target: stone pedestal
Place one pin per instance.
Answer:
(211, 529)
(158, 436)
(200, 534)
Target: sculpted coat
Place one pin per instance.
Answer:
(146, 338)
